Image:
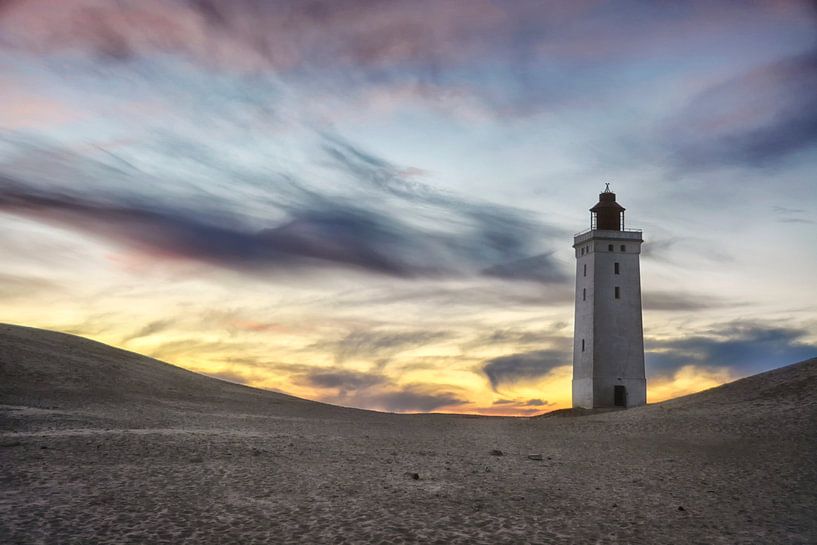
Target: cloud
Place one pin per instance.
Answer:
(149, 329)
(755, 119)
(743, 347)
(556, 336)
(511, 407)
(252, 34)
(412, 398)
(437, 51)
(372, 390)
(681, 250)
(375, 391)
(343, 380)
(687, 380)
(448, 298)
(541, 269)
(307, 230)
(680, 301)
(16, 286)
(23, 109)
(378, 344)
(92, 325)
(486, 232)
(792, 215)
(522, 367)
(192, 347)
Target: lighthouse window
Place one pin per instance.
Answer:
(618, 293)
(584, 294)
(623, 248)
(585, 269)
(582, 345)
(609, 247)
(615, 268)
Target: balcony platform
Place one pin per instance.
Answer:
(626, 234)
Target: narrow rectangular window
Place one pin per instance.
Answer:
(618, 293)
(584, 294)
(615, 267)
(582, 345)
(623, 248)
(609, 247)
(585, 269)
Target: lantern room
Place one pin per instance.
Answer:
(607, 215)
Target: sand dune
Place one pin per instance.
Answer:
(44, 368)
(100, 445)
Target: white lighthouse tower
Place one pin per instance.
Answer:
(608, 341)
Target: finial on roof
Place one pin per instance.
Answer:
(607, 188)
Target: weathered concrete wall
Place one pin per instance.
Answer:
(610, 327)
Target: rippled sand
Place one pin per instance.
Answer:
(98, 445)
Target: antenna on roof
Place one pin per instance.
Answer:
(607, 188)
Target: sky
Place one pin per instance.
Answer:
(372, 203)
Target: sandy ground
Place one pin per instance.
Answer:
(99, 445)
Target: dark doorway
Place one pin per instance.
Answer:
(619, 396)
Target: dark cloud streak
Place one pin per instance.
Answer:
(152, 328)
(358, 231)
(673, 301)
(743, 347)
(524, 366)
(755, 119)
(378, 345)
(343, 380)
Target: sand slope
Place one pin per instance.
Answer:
(41, 368)
(99, 445)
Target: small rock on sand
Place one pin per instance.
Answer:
(537, 457)
(497, 452)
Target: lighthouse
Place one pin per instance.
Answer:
(608, 340)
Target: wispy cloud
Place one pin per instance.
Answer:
(375, 390)
(743, 347)
(524, 366)
(778, 117)
(378, 345)
(342, 380)
(674, 301)
(792, 215)
(541, 269)
(151, 328)
(15, 286)
(413, 398)
(316, 230)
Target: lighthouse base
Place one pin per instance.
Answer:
(594, 393)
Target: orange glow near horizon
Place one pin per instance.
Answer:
(240, 351)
